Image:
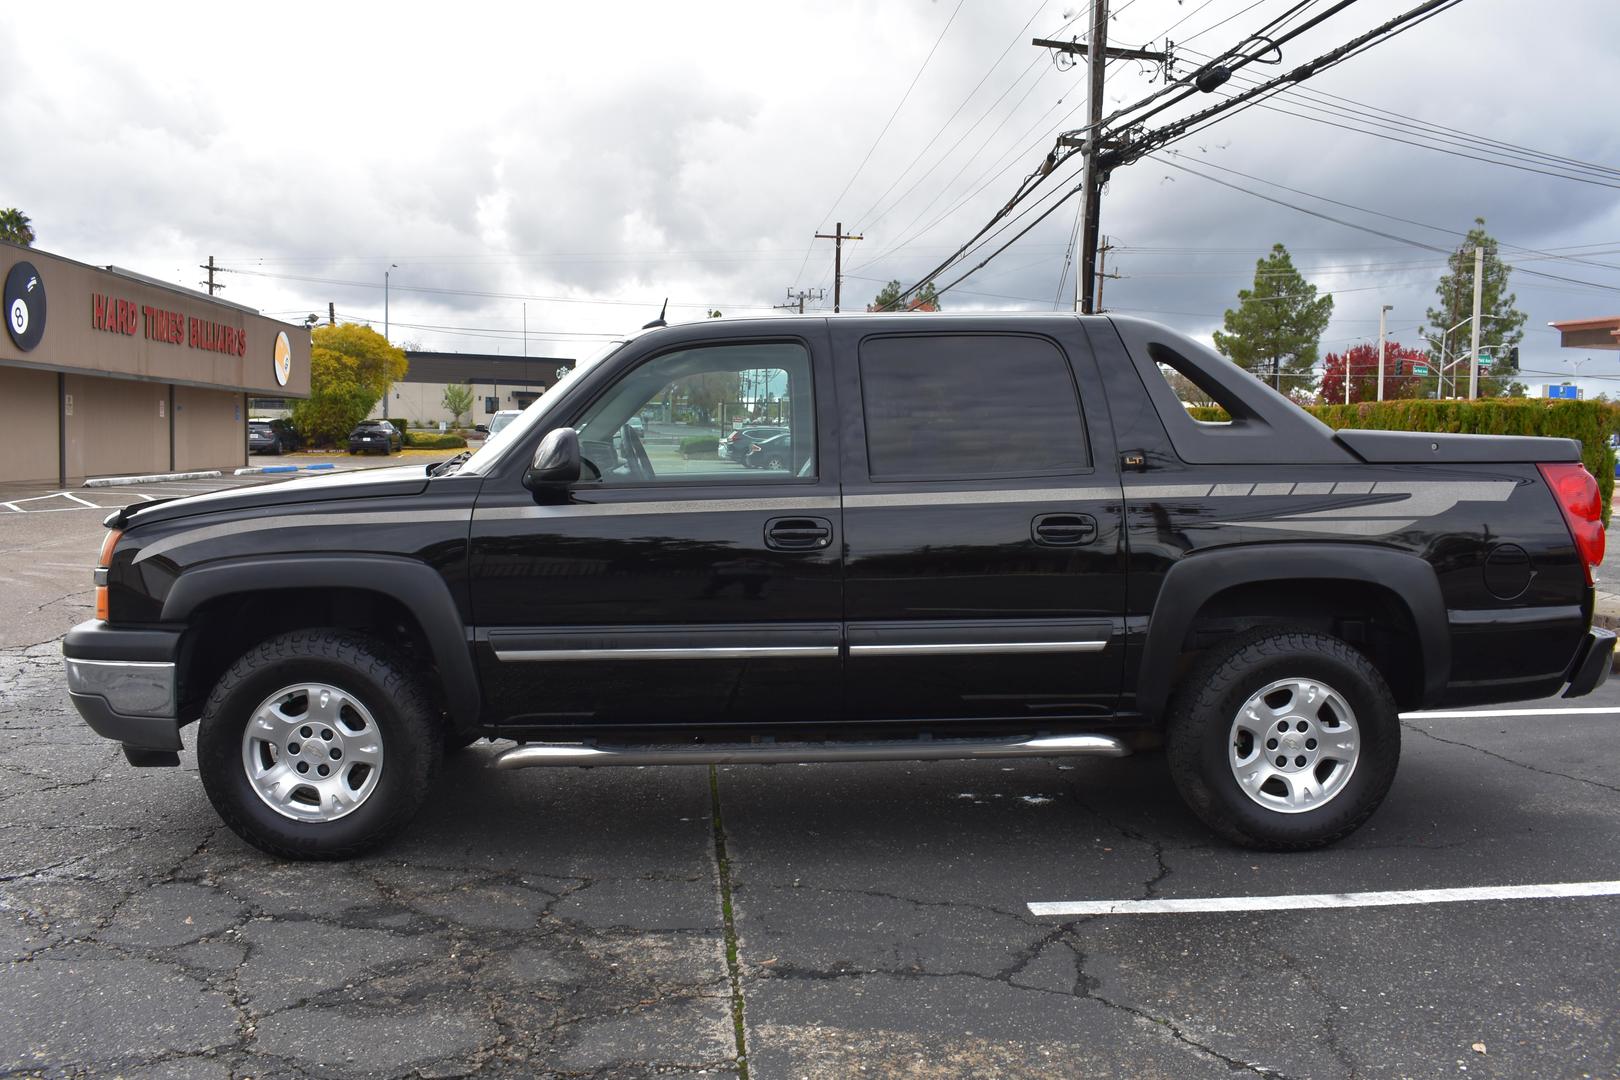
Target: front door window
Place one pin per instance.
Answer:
(714, 414)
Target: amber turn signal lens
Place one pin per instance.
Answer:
(103, 561)
(107, 545)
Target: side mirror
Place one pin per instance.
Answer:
(556, 462)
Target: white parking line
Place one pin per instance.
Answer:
(1469, 714)
(1315, 901)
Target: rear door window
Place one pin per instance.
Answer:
(969, 406)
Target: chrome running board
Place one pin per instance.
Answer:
(533, 755)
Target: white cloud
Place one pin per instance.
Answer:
(631, 152)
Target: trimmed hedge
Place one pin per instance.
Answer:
(399, 423)
(700, 445)
(432, 440)
(1587, 422)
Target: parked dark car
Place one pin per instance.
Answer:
(738, 442)
(1054, 560)
(375, 436)
(272, 437)
(775, 452)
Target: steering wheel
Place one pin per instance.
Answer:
(635, 454)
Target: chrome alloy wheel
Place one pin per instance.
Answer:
(1294, 745)
(312, 752)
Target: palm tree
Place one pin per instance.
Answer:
(15, 227)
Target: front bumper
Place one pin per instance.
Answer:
(1592, 662)
(123, 683)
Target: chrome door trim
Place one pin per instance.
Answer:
(701, 652)
(963, 648)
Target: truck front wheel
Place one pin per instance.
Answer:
(1284, 740)
(318, 744)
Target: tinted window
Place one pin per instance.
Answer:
(671, 418)
(960, 407)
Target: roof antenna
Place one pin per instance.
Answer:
(660, 320)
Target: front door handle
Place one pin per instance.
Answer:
(1063, 530)
(798, 533)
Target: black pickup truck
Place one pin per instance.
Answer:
(999, 536)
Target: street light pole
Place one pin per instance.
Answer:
(391, 268)
(1383, 310)
(1473, 363)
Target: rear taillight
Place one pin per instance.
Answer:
(1577, 495)
(103, 561)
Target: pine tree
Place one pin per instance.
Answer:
(1276, 330)
(1500, 322)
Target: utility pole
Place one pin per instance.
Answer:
(838, 237)
(1088, 281)
(1093, 177)
(797, 299)
(331, 313)
(1473, 354)
(1102, 261)
(210, 284)
(1383, 310)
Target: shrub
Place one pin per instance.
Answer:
(700, 446)
(400, 423)
(432, 440)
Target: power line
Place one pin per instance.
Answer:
(1368, 229)
(887, 124)
(1142, 144)
(476, 292)
(862, 219)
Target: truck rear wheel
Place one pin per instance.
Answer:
(318, 744)
(1284, 740)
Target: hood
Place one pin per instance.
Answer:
(360, 484)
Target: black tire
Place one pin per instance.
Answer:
(367, 670)
(1201, 733)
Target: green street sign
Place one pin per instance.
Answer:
(1420, 369)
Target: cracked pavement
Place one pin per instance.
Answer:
(572, 923)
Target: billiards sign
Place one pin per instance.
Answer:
(24, 306)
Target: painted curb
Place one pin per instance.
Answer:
(252, 470)
(155, 478)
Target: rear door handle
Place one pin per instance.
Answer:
(1063, 530)
(798, 533)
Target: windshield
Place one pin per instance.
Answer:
(499, 424)
(500, 437)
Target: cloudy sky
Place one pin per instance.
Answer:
(587, 160)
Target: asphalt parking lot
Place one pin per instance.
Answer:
(820, 921)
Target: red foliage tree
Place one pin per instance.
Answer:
(1400, 378)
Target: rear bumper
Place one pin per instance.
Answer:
(123, 683)
(1592, 662)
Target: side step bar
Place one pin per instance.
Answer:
(532, 755)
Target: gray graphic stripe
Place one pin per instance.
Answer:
(295, 521)
(781, 505)
(974, 498)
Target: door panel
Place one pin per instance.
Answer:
(982, 597)
(703, 593)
